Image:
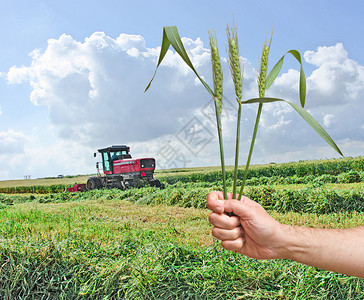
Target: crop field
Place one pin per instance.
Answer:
(151, 243)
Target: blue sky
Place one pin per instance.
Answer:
(58, 105)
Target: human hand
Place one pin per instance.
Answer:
(250, 231)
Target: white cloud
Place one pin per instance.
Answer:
(33, 158)
(328, 120)
(12, 142)
(95, 94)
(337, 80)
(95, 89)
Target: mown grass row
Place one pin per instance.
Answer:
(35, 189)
(297, 169)
(320, 200)
(345, 177)
(310, 199)
(347, 170)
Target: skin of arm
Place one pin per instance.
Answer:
(251, 231)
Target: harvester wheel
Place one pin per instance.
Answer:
(93, 183)
(155, 183)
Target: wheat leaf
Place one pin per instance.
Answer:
(305, 115)
(162, 54)
(172, 37)
(274, 72)
(277, 68)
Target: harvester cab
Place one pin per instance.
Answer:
(121, 171)
(111, 154)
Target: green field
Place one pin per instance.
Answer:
(44, 181)
(156, 243)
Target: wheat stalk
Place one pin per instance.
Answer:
(262, 77)
(217, 77)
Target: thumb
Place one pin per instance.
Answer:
(219, 205)
(242, 208)
(215, 202)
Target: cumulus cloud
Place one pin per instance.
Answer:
(337, 79)
(27, 156)
(12, 147)
(94, 91)
(12, 142)
(328, 120)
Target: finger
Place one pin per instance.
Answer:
(242, 208)
(224, 221)
(235, 245)
(223, 234)
(215, 201)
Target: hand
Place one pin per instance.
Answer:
(252, 231)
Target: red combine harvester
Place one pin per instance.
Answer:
(121, 171)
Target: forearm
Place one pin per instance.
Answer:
(338, 250)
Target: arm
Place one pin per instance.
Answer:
(338, 250)
(253, 232)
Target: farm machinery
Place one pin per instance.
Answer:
(120, 171)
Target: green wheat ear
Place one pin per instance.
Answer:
(234, 61)
(237, 76)
(216, 70)
(263, 71)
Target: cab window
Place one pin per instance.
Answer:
(106, 162)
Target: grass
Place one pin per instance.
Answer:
(153, 244)
(308, 198)
(331, 186)
(106, 220)
(300, 167)
(108, 249)
(93, 219)
(44, 181)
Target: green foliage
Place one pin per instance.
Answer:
(346, 177)
(46, 254)
(349, 177)
(80, 252)
(296, 170)
(148, 266)
(316, 198)
(35, 189)
(326, 178)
